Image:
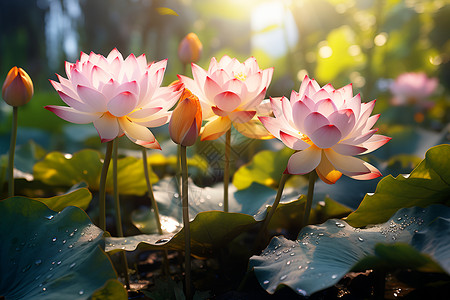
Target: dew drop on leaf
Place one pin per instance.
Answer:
(283, 277)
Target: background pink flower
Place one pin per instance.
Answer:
(413, 88)
(327, 127)
(118, 96)
(229, 93)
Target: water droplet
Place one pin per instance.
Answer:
(288, 262)
(399, 218)
(38, 262)
(58, 263)
(75, 230)
(283, 277)
(81, 292)
(64, 241)
(320, 234)
(334, 276)
(54, 239)
(340, 225)
(44, 289)
(72, 265)
(90, 240)
(360, 239)
(176, 195)
(266, 282)
(220, 204)
(292, 254)
(70, 246)
(299, 267)
(71, 234)
(49, 217)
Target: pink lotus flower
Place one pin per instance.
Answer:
(413, 88)
(327, 127)
(119, 96)
(229, 93)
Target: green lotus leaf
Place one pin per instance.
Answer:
(49, 255)
(80, 197)
(265, 168)
(211, 227)
(113, 289)
(324, 253)
(85, 166)
(428, 183)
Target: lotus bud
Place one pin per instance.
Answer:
(190, 49)
(18, 88)
(186, 121)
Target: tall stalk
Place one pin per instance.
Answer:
(12, 149)
(226, 173)
(187, 233)
(263, 229)
(154, 205)
(118, 214)
(309, 197)
(102, 188)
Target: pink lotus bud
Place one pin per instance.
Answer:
(186, 121)
(17, 88)
(190, 49)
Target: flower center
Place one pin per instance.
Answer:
(305, 138)
(241, 76)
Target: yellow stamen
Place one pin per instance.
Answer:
(305, 138)
(241, 76)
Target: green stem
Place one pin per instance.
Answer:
(178, 174)
(102, 188)
(187, 233)
(226, 173)
(154, 205)
(12, 149)
(263, 229)
(309, 197)
(118, 215)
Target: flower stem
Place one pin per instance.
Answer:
(226, 173)
(263, 229)
(150, 191)
(12, 149)
(102, 188)
(309, 197)
(154, 205)
(118, 215)
(187, 233)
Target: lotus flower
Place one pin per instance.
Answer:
(186, 121)
(229, 93)
(17, 88)
(190, 49)
(412, 88)
(326, 127)
(119, 96)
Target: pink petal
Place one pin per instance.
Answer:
(293, 142)
(326, 136)
(219, 112)
(154, 121)
(347, 165)
(254, 82)
(136, 132)
(374, 173)
(192, 85)
(344, 120)
(98, 75)
(130, 86)
(267, 76)
(93, 98)
(122, 104)
(299, 113)
(107, 127)
(354, 104)
(78, 79)
(78, 105)
(272, 125)
(314, 121)
(211, 89)
(305, 161)
(326, 107)
(356, 140)
(346, 91)
(144, 112)
(72, 115)
(304, 84)
(320, 95)
(113, 55)
(215, 128)
(234, 85)
(375, 142)
(253, 104)
(349, 150)
(227, 101)
(199, 74)
(241, 116)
